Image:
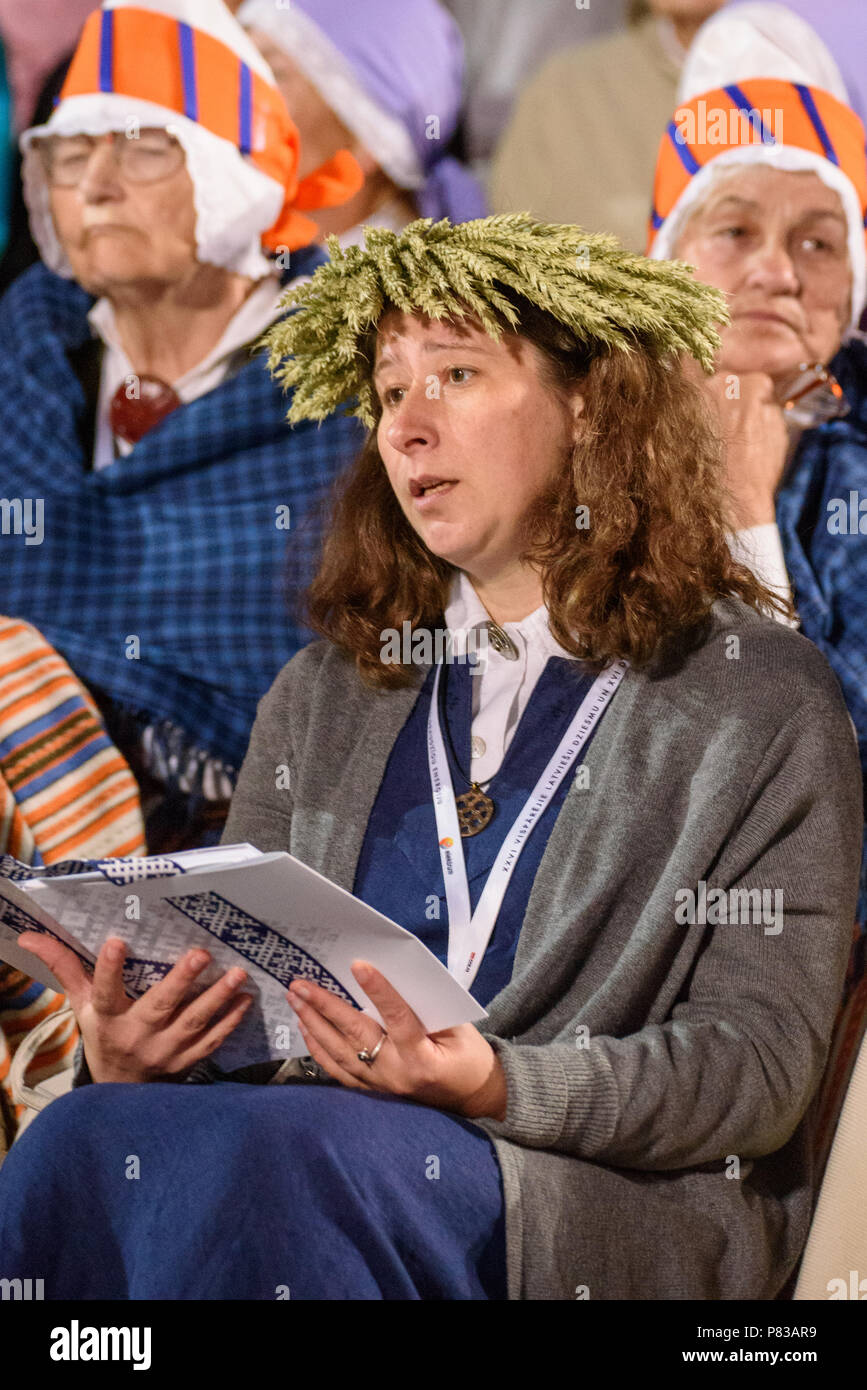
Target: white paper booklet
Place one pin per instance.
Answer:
(269, 913)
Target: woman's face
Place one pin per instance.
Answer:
(118, 232)
(471, 433)
(322, 132)
(775, 241)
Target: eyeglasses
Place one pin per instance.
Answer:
(145, 157)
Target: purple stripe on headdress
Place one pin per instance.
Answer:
(684, 153)
(106, 51)
(245, 113)
(655, 220)
(741, 101)
(188, 71)
(810, 107)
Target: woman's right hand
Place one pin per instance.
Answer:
(753, 427)
(164, 1032)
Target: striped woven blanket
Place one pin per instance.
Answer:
(65, 792)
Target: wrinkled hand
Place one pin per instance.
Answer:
(456, 1069)
(164, 1032)
(753, 427)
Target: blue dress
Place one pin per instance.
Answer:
(302, 1191)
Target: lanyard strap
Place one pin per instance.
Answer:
(470, 932)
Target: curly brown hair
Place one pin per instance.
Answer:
(648, 466)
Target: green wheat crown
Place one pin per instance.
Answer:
(589, 283)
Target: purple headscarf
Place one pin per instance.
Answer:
(392, 70)
(842, 27)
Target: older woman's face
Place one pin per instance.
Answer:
(117, 232)
(471, 433)
(775, 241)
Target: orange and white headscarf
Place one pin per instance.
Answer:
(759, 86)
(188, 66)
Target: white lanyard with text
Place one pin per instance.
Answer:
(470, 932)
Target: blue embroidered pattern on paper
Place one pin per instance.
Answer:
(123, 871)
(275, 954)
(119, 871)
(138, 975)
(20, 921)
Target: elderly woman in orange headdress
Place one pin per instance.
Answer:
(761, 184)
(164, 194)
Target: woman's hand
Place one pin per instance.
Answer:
(456, 1069)
(753, 426)
(163, 1033)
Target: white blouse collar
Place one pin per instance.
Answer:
(466, 611)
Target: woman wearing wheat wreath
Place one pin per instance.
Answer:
(581, 1140)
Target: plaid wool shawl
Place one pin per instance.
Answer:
(826, 556)
(181, 545)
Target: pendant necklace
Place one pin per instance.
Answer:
(132, 416)
(475, 808)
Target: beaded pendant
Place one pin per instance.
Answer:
(475, 811)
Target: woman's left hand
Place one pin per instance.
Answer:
(456, 1069)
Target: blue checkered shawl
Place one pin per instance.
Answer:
(177, 544)
(829, 571)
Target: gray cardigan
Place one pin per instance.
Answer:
(657, 1136)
